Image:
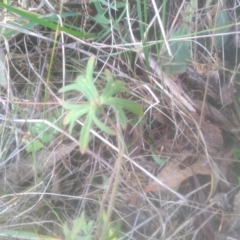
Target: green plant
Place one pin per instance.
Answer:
(35, 19)
(82, 229)
(18, 234)
(80, 226)
(156, 158)
(113, 233)
(44, 133)
(95, 104)
(222, 19)
(181, 51)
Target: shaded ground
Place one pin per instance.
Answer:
(180, 170)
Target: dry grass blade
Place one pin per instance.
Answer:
(177, 93)
(174, 57)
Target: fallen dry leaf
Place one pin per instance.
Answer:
(212, 113)
(214, 79)
(212, 136)
(172, 175)
(226, 96)
(211, 133)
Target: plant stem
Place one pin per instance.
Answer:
(116, 172)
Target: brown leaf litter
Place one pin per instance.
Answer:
(15, 175)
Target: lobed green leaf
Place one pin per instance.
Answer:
(34, 146)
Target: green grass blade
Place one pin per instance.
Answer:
(85, 132)
(16, 234)
(35, 18)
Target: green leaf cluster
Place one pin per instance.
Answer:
(94, 105)
(80, 227)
